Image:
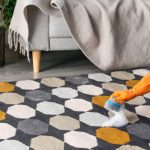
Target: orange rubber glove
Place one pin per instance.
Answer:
(140, 88)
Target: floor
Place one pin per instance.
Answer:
(60, 63)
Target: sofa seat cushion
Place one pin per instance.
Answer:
(58, 27)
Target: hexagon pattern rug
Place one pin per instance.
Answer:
(66, 113)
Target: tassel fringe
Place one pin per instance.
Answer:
(17, 42)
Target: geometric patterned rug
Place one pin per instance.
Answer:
(61, 113)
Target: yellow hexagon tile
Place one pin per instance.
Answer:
(6, 87)
(2, 115)
(132, 83)
(113, 135)
(100, 100)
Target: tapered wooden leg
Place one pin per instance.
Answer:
(36, 55)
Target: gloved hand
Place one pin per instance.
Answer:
(123, 96)
(140, 88)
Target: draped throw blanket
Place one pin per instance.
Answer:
(113, 34)
(18, 34)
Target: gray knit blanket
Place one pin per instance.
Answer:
(113, 34)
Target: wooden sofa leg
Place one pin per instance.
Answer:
(36, 56)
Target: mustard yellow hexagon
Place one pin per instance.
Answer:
(132, 83)
(100, 100)
(2, 115)
(6, 87)
(113, 135)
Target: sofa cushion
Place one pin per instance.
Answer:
(58, 27)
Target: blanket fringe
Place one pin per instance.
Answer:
(16, 41)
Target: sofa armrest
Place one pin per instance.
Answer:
(38, 29)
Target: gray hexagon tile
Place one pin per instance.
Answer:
(33, 127)
(65, 92)
(77, 80)
(38, 95)
(17, 145)
(87, 141)
(140, 130)
(50, 108)
(101, 77)
(143, 110)
(93, 118)
(122, 75)
(90, 90)
(137, 101)
(140, 72)
(7, 131)
(114, 86)
(11, 98)
(64, 123)
(46, 143)
(53, 82)
(21, 111)
(78, 105)
(28, 85)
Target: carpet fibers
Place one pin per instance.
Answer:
(66, 113)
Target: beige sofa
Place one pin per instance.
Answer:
(56, 35)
